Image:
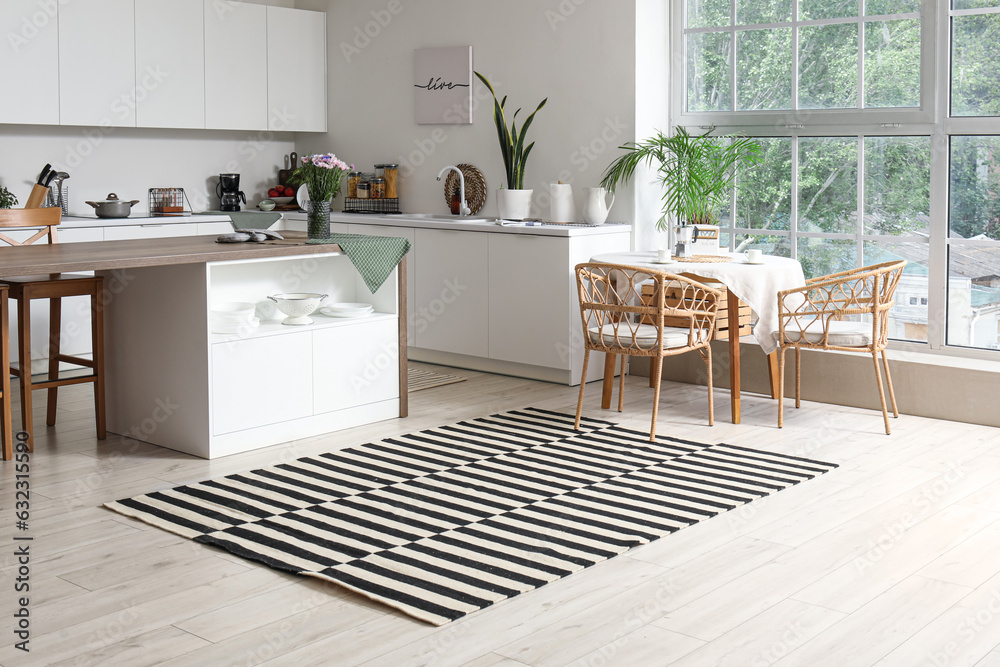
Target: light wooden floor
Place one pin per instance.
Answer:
(892, 559)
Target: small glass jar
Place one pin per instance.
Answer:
(377, 188)
(364, 188)
(353, 178)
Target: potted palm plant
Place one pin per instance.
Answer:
(514, 202)
(697, 172)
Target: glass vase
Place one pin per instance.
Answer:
(319, 220)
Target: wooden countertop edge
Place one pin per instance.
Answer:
(127, 254)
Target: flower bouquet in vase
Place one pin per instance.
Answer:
(322, 175)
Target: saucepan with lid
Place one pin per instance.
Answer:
(112, 207)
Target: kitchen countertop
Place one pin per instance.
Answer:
(76, 221)
(108, 255)
(402, 220)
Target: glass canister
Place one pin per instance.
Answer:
(377, 188)
(390, 172)
(353, 178)
(364, 188)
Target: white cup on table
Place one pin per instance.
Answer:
(755, 256)
(663, 256)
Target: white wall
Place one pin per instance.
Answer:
(578, 53)
(129, 161)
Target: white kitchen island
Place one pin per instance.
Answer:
(174, 383)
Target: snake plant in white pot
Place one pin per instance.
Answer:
(514, 201)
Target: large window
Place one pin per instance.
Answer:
(880, 123)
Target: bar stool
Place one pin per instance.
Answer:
(6, 441)
(25, 289)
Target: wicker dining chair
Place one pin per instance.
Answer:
(831, 313)
(612, 312)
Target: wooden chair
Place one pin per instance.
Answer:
(818, 316)
(25, 289)
(613, 311)
(6, 432)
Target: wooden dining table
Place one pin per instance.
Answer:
(756, 285)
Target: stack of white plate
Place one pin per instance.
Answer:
(348, 309)
(234, 317)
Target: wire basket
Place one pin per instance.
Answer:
(168, 201)
(54, 200)
(383, 206)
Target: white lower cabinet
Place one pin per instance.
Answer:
(151, 231)
(452, 292)
(280, 370)
(529, 316)
(354, 365)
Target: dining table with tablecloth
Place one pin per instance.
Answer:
(754, 284)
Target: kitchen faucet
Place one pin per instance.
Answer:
(463, 208)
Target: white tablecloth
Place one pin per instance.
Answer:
(757, 285)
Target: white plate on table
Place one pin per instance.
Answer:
(747, 261)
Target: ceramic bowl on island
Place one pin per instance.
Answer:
(298, 306)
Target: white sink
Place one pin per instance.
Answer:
(434, 217)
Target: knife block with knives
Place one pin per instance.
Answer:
(41, 188)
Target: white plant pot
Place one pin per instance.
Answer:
(514, 204)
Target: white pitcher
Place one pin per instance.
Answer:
(596, 208)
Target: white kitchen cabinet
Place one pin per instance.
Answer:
(170, 63)
(411, 266)
(30, 72)
(296, 70)
(240, 371)
(452, 292)
(151, 231)
(355, 364)
(97, 63)
(529, 314)
(235, 66)
(214, 228)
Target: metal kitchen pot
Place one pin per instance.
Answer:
(113, 207)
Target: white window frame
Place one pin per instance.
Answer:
(930, 119)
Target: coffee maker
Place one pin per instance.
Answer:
(229, 192)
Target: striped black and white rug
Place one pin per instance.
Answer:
(451, 520)
(419, 378)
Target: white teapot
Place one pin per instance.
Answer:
(596, 208)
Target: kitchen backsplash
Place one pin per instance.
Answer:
(129, 161)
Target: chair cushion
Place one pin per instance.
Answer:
(645, 336)
(842, 334)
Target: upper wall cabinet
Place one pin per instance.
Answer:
(296, 70)
(235, 66)
(97, 63)
(30, 64)
(186, 64)
(170, 63)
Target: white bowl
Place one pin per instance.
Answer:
(297, 306)
(233, 311)
(282, 201)
(242, 328)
